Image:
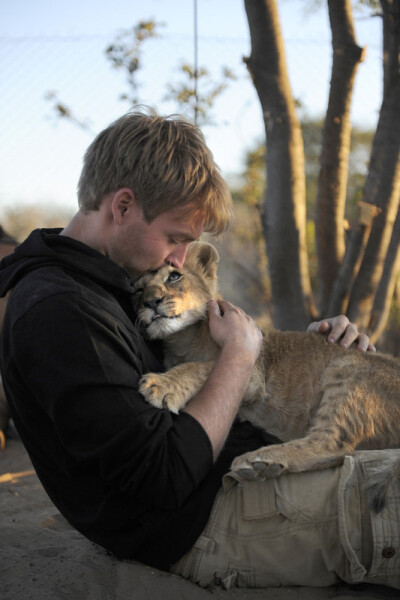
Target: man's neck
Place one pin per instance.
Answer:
(86, 228)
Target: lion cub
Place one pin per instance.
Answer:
(321, 400)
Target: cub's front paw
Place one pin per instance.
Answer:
(259, 465)
(156, 389)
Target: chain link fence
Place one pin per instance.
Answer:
(41, 154)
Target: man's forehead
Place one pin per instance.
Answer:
(189, 216)
(186, 226)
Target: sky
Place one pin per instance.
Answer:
(52, 46)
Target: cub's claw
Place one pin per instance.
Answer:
(267, 470)
(155, 388)
(248, 474)
(255, 466)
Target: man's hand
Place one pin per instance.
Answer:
(340, 328)
(234, 331)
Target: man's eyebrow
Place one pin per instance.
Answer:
(185, 237)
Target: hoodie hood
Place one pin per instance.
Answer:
(46, 247)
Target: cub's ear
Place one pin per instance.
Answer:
(204, 255)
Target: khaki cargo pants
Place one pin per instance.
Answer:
(310, 529)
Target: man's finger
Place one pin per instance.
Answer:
(341, 326)
(213, 308)
(350, 336)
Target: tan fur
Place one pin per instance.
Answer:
(321, 400)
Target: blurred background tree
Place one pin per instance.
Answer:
(21, 220)
(358, 263)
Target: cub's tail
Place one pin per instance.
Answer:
(378, 484)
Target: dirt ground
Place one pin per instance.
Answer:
(43, 558)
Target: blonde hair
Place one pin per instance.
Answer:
(165, 161)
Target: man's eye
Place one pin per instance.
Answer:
(174, 276)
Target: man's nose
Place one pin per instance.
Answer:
(177, 257)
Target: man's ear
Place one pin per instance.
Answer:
(123, 202)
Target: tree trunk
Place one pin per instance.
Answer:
(371, 270)
(383, 182)
(387, 285)
(351, 262)
(332, 185)
(284, 211)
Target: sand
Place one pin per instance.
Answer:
(43, 558)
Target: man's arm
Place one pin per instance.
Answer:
(79, 409)
(340, 328)
(216, 405)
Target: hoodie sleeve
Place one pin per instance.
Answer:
(72, 371)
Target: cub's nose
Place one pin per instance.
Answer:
(153, 303)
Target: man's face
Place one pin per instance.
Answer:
(139, 246)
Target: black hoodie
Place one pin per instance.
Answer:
(137, 480)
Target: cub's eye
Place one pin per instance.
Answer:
(174, 276)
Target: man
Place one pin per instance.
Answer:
(139, 481)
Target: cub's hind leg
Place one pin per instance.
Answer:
(336, 430)
(311, 453)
